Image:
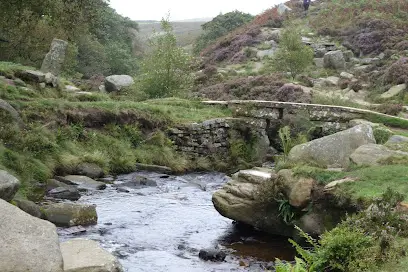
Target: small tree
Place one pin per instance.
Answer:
(292, 55)
(166, 68)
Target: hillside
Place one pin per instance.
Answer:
(369, 37)
(291, 124)
(186, 32)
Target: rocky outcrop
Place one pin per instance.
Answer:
(238, 200)
(275, 203)
(82, 255)
(373, 154)
(90, 170)
(333, 151)
(334, 60)
(117, 82)
(28, 244)
(83, 182)
(54, 59)
(394, 91)
(69, 215)
(32, 76)
(8, 185)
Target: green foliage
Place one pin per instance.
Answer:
(362, 242)
(292, 55)
(285, 210)
(91, 27)
(288, 142)
(299, 266)
(92, 58)
(166, 69)
(220, 26)
(120, 59)
(381, 134)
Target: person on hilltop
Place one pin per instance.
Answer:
(306, 4)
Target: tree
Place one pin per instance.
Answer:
(292, 55)
(166, 68)
(219, 26)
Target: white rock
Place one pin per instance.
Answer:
(394, 91)
(82, 255)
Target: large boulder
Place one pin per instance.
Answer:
(28, 244)
(239, 201)
(32, 76)
(301, 193)
(334, 60)
(373, 154)
(69, 214)
(90, 170)
(54, 59)
(117, 82)
(82, 255)
(333, 151)
(83, 182)
(8, 185)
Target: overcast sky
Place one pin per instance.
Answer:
(187, 9)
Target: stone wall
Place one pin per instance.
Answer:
(214, 137)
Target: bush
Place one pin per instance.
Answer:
(362, 242)
(219, 26)
(166, 69)
(292, 56)
(397, 73)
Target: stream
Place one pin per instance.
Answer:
(163, 228)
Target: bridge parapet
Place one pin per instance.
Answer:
(276, 110)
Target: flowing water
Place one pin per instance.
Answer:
(163, 228)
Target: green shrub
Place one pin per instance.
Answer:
(220, 26)
(166, 68)
(292, 55)
(362, 242)
(299, 266)
(381, 134)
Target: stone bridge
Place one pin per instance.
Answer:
(262, 119)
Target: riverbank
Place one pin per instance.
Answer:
(63, 129)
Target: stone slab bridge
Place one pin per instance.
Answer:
(263, 120)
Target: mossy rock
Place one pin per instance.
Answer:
(69, 215)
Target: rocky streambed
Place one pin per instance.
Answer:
(162, 227)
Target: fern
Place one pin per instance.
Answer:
(299, 266)
(285, 210)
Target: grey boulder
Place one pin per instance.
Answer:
(333, 151)
(69, 215)
(28, 244)
(373, 154)
(115, 83)
(82, 255)
(83, 182)
(334, 60)
(8, 186)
